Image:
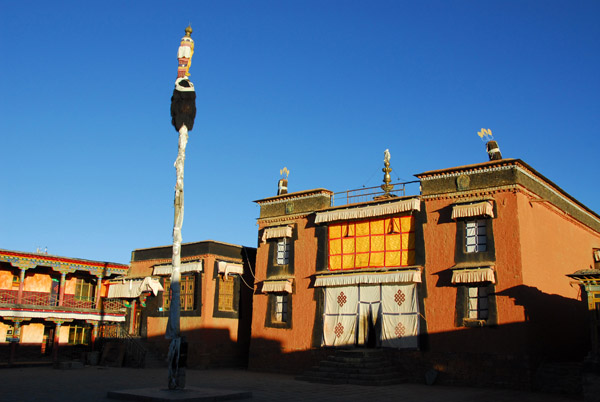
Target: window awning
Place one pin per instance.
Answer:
(482, 208)
(132, 288)
(404, 276)
(280, 286)
(276, 233)
(473, 275)
(413, 204)
(229, 268)
(166, 269)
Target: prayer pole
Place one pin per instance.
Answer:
(183, 112)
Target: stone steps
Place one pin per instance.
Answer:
(355, 366)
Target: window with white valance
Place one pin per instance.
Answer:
(229, 268)
(276, 232)
(474, 275)
(277, 286)
(167, 269)
(474, 209)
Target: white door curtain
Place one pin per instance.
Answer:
(392, 307)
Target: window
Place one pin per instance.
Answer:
(476, 237)
(84, 290)
(374, 243)
(283, 251)
(16, 281)
(281, 308)
(478, 303)
(226, 293)
(79, 335)
(186, 293)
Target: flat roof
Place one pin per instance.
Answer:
(297, 194)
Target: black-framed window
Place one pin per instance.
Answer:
(225, 298)
(84, 289)
(476, 305)
(281, 304)
(283, 251)
(280, 260)
(279, 310)
(475, 235)
(187, 293)
(80, 334)
(475, 241)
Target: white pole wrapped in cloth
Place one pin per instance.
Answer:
(183, 112)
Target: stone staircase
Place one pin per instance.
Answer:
(355, 366)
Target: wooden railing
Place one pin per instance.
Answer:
(47, 299)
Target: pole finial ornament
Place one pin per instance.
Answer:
(183, 101)
(185, 53)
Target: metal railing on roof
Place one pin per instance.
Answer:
(367, 194)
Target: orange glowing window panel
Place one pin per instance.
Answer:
(374, 243)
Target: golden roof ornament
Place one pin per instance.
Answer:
(386, 186)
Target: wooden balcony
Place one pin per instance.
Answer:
(9, 298)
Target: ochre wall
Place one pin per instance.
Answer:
(144, 268)
(6, 280)
(205, 334)
(268, 342)
(32, 333)
(440, 233)
(37, 282)
(536, 246)
(3, 328)
(553, 245)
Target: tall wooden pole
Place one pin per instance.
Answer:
(183, 112)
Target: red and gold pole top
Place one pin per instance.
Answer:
(185, 53)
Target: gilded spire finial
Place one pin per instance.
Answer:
(386, 186)
(188, 31)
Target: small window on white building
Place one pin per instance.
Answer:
(281, 304)
(476, 237)
(283, 251)
(478, 303)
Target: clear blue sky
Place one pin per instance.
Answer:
(322, 87)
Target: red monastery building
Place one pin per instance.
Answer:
(216, 301)
(465, 280)
(49, 303)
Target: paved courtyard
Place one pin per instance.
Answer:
(92, 383)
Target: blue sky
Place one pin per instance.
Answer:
(322, 87)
